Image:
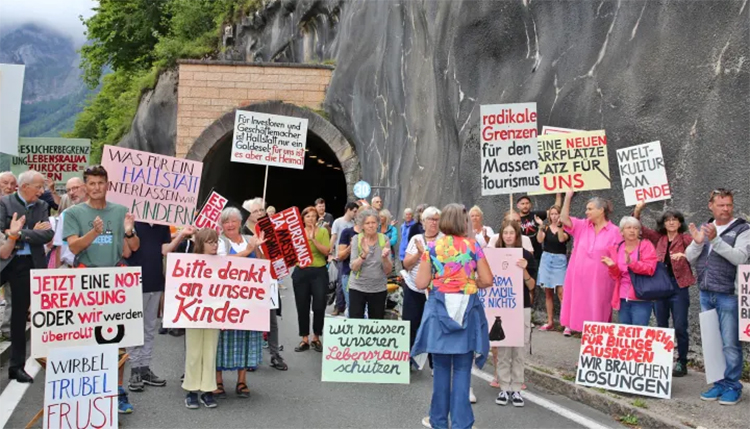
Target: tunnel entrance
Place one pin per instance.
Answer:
(331, 165)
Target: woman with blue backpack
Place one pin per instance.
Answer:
(627, 260)
(371, 263)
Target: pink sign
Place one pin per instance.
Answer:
(209, 215)
(217, 292)
(743, 294)
(155, 188)
(503, 302)
(556, 130)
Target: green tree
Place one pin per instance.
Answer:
(122, 34)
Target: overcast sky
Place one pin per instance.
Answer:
(62, 15)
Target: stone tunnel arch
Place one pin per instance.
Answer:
(332, 180)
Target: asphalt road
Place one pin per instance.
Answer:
(298, 399)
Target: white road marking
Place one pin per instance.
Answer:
(14, 391)
(545, 403)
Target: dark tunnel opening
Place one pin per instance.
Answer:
(322, 177)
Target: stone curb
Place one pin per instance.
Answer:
(606, 403)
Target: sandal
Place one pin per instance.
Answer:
(220, 392)
(494, 383)
(242, 391)
(302, 347)
(547, 327)
(278, 363)
(317, 346)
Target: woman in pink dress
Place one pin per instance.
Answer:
(588, 287)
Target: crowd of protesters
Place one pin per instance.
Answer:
(438, 251)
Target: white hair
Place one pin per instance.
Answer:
(629, 221)
(362, 216)
(248, 204)
(408, 211)
(229, 213)
(430, 212)
(5, 173)
(27, 177)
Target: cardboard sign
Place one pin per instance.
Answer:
(714, 362)
(87, 306)
(509, 148)
(546, 130)
(576, 161)
(11, 92)
(263, 139)
(210, 213)
(155, 188)
(743, 294)
(626, 358)
(366, 351)
(642, 173)
(217, 292)
(57, 158)
(286, 243)
(81, 388)
(503, 302)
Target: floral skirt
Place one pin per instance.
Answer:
(239, 350)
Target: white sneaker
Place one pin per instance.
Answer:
(502, 398)
(426, 422)
(517, 399)
(472, 397)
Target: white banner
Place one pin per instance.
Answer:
(508, 149)
(11, 93)
(642, 173)
(81, 388)
(87, 306)
(626, 358)
(264, 139)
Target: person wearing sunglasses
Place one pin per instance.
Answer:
(718, 247)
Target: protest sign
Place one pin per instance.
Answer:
(11, 92)
(509, 148)
(87, 306)
(626, 358)
(743, 294)
(503, 302)
(366, 351)
(546, 130)
(217, 292)
(209, 214)
(56, 158)
(574, 161)
(155, 188)
(714, 363)
(264, 139)
(642, 173)
(286, 243)
(81, 388)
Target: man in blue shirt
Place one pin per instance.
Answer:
(408, 222)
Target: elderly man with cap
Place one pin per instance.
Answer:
(28, 254)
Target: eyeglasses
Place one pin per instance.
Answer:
(433, 219)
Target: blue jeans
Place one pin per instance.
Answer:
(636, 313)
(345, 290)
(677, 306)
(340, 298)
(450, 391)
(726, 307)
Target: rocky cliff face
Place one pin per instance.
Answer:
(410, 77)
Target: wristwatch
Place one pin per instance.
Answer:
(131, 235)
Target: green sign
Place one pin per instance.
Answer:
(57, 158)
(366, 351)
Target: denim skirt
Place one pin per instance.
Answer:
(552, 269)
